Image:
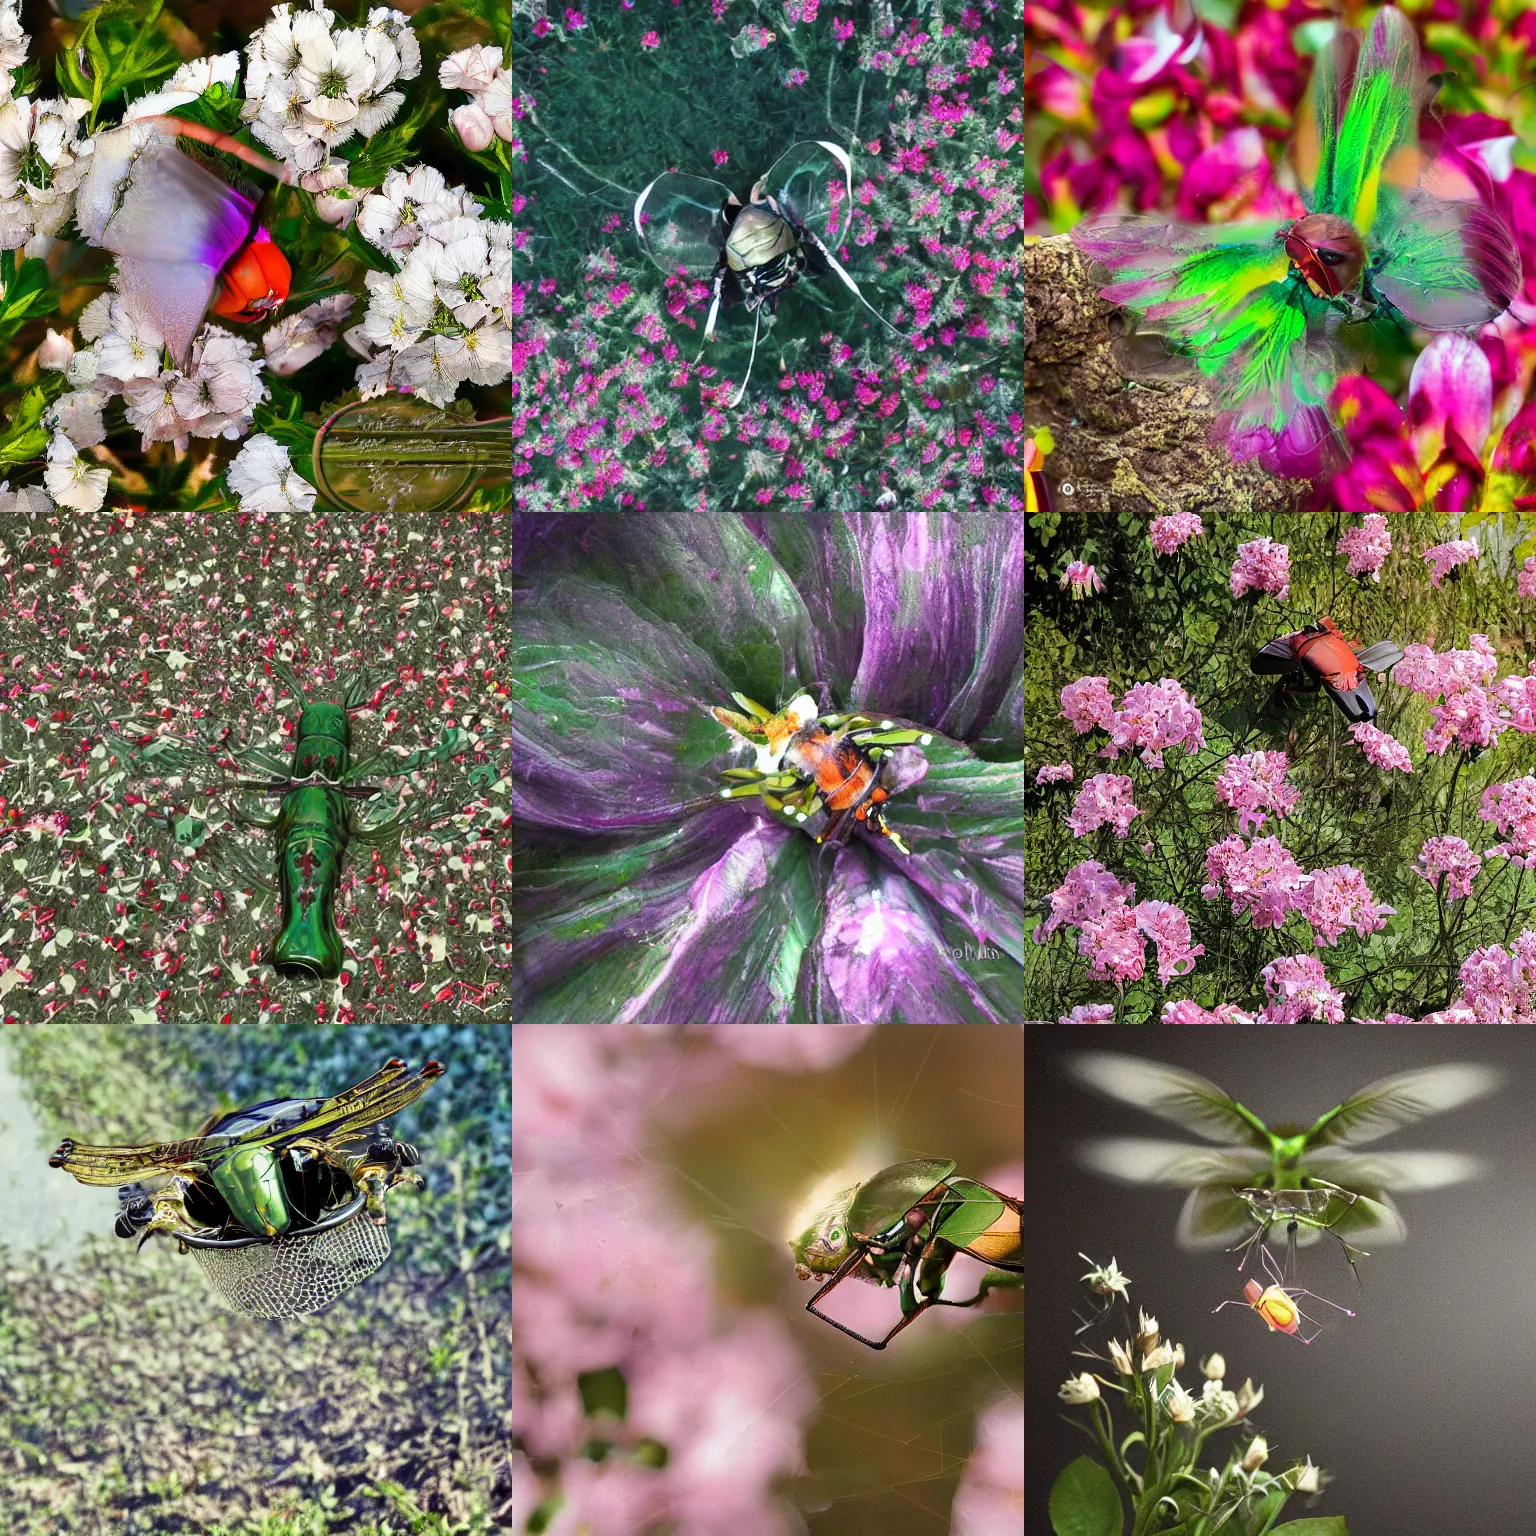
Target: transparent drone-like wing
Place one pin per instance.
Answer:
(681, 222)
(813, 182)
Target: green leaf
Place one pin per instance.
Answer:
(389, 148)
(1085, 1502)
(1327, 1525)
(369, 255)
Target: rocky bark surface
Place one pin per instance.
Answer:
(1121, 445)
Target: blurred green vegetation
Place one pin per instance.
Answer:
(131, 1402)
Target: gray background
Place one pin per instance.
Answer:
(1423, 1406)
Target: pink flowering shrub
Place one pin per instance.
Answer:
(1253, 784)
(1263, 880)
(1169, 532)
(1497, 984)
(1055, 773)
(1299, 991)
(1526, 584)
(1111, 933)
(1469, 718)
(1367, 547)
(1451, 857)
(1090, 1013)
(1088, 703)
(1338, 898)
(1082, 578)
(1186, 1011)
(1429, 674)
(1511, 807)
(1262, 566)
(1168, 927)
(1444, 558)
(1381, 749)
(1154, 716)
(1103, 799)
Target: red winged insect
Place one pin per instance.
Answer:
(1328, 661)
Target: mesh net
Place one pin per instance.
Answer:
(294, 1275)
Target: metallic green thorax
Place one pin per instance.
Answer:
(252, 1183)
(322, 745)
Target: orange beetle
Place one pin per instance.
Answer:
(1276, 1303)
(255, 283)
(1332, 664)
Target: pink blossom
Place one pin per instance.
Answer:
(1055, 773)
(1518, 694)
(1177, 528)
(1168, 927)
(1298, 989)
(1451, 857)
(1090, 1013)
(1338, 898)
(1367, 547)
(719, 156)
(1088, 894)
(1470, 718)
(1088, 703)
(1186, 1011)
(651, 40)
(1426, 673)
(1083, 579)
(1154, 716)
(1253, 784)
(1526, 584)
(1106, 797)
(1264, 879)
(1511, 806)
(1262, 566)
(1450, 406)
(1446, 557)
(1496, 985)
(1113, 947)
(1384, 750)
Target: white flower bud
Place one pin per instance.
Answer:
(1306, 1478)
(1156, 1359)
(55, 352)
(1256, 1454)
(1147, 1338)
(473, 127)
(1214, 1368)
(1120, 1357)
(1178, 1402)
(1077, 1390)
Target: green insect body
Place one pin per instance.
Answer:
(251, 1181)
(758, 237)
(903, 1227)
(315, 820)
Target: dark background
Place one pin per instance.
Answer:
(1420, 1407)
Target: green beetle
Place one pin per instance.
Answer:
(903, 1227)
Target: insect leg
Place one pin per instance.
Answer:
(837, 267)
(714, 303)
(741, 390)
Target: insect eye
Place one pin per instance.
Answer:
(1333, 258)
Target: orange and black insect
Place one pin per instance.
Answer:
(827, 773)
(1329, 661)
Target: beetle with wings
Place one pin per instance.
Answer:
(325, 804)
(799, 211)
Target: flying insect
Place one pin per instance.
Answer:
(817, 772)
(282, 1202)
(797, 213)
(1276, 1303)
(1233, 1186)
(903, 1228)
(1328, 661)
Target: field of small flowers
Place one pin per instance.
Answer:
(614, 407)
(1194, 112)
(1283, 863)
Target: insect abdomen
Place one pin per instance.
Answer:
(311, 837)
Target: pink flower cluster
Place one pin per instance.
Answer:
(1151, 716)
(1084, 580)
(1262, 566)
(1254, 783)
(1425, 672)
(1526, 584)
(1263, 879)
(1186, 1011)
(1177, 528)
(1338, 898)
(1497, 986)
(1511, 807)
(1106, 797)
(1451, 857)
(1517, 693)
(1367, 547)
(1299, 990)
(1443, 558)
(1055, 773)
(1471, 719)
(1111, 933)
(1469, 716)
(1380, 748)
(1090, 1013)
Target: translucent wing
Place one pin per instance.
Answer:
(1190, 1101)
(1394, 1170)
(358, 1108)
(171, 222)
(1382, 656)
(115, 1165)
(1371, 1218)
(1399, 1100)
(1445, 265)
(1213, 1217)
(681, 222)
(1141, 1160)
(813, 182)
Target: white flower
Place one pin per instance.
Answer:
(488, 350)
(301, 338)
(265, 481)
(400, 306)
(13, 41)
(457, 270)
(330, 119)
(29, 500)
(1156, 1359)
(55, 352)
(1256, 1454)
(396, 26)
(1076, 1390)
(473, 127)
(38, 166)
(435, 367)
(78, 416)
(1179, 1404)
(330, 64)
(1120, 1358)
(130, 349)
(1214, 1368)
(470, 69)
(150, 405)
(201, 75)
(496, 103)
(70, 481)
(1106, 1279)
(376, 111)
(1306, 1478)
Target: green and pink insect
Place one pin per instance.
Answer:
(1270, 312)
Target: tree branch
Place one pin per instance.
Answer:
(1121, 446)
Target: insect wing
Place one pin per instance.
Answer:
(681, 222)
(112, 1165)
(1145, 1160)
(1277, 656)
(1186, 1098)
(1382, 656)
(1399, 1100)
(812, 181)
(1401, 1171)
